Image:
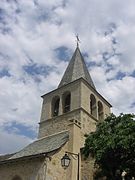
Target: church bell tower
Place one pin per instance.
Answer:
(76, 100)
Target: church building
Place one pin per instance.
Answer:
(69, 112)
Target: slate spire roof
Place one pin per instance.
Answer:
(76, 69)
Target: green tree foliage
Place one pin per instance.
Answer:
(113, 145)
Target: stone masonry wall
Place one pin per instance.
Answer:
(54, 170)
(27, 170)
(88, 124)
(73, 88)
(86, 91)
(57, 124)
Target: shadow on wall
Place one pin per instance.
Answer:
(17, 178)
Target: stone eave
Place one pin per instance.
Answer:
(65, 114)
(96, 92)
(23, 158)
(60, 87)
(80, 79)
(31, 157)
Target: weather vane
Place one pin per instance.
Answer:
(77, 40)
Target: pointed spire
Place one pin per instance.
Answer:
(76, 69)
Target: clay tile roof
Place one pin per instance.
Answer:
(76, 69)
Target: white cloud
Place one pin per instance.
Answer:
(121, 94)
(18, 101)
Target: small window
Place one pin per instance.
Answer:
(55, 106)
(66, 102)
(93, 107)
(100, 111)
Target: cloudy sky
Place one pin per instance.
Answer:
(37, 39)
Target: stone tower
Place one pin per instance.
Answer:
(76, 99)
(75, 106)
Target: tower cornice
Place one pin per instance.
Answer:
(81, 80)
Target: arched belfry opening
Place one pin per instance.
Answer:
(66, 99)
(93, 107)
(100, 111)
(16, 178)
(55, 106)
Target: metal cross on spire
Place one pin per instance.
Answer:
(77, 40)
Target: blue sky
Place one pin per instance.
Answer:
(37, 39)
